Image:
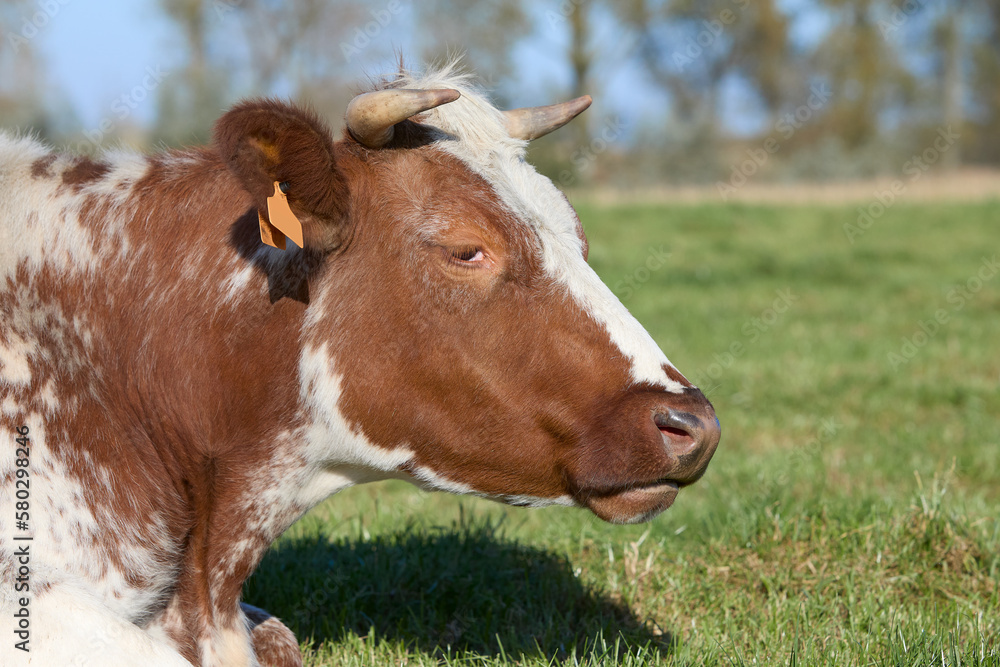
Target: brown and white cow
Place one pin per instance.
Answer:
(189, 392)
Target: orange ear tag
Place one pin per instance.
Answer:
(283, 221)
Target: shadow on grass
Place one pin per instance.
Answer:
(467, 591)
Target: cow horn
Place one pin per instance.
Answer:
(371, 116)
(533, 122)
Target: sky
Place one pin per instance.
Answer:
(95, 55)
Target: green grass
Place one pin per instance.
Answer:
(851, 515)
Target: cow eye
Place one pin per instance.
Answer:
(469, 254)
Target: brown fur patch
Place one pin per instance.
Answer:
(84, 171)
(40, 167)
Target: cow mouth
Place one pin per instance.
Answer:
(634, 504)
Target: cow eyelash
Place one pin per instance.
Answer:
(467, 255)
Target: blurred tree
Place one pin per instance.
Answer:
(954, 49)
(302, 50)
(569, 156)
(763, 53)
(581, 60)
(581, 56)
(898, 70)
(690, 48)
(486, 32)
(983, 89)
(697, 52)
(22, 73)
(312, 49)
(192, 97)
(950, 44)
(868, 79)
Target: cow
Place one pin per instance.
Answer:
(198, 346)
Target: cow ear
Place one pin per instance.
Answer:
(284, 157)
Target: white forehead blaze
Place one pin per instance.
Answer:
(485, 147)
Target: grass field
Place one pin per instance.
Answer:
(850, 517)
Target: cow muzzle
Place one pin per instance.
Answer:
(676, 440)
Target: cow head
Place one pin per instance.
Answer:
(455, 334)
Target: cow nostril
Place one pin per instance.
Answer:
(676, 432)
(681, 430)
